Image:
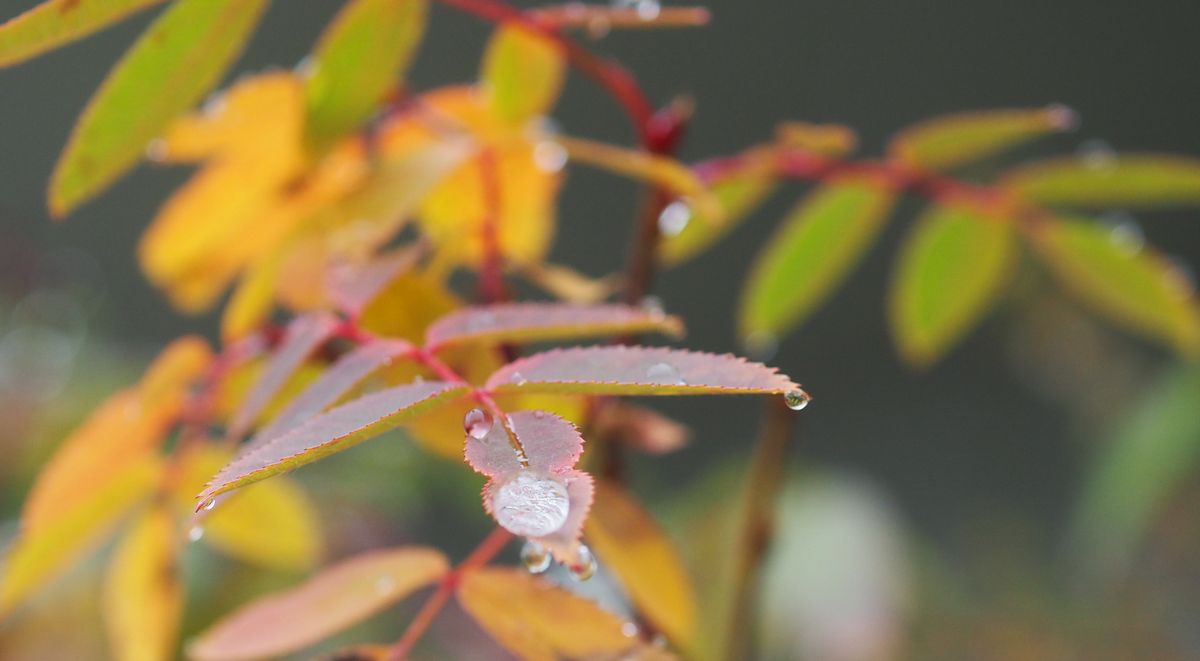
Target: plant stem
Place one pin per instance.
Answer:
(763, 481)
(487, 549)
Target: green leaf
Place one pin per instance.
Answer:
(1151, 455)
(56, 22)
(1105, 181)
(738, 195)
(953, 264)
(522, 74)
(1135, 288)
(811, 252)
(179, 58)
(942, 143)
(360, 57)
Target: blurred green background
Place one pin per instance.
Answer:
(1031, 496)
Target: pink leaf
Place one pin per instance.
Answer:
(535, 322)
(550, 444)
(564, 542)
(353, 286)
(620, 370)
(330, 432)
(302, 337)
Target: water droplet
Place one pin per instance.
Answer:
(1097, 154)
(195, 533)
(653, 306)
(664, 374)
(1125, 233)
(157, 150)
(796, 399)
(1063, 117)
(549, 156)
(539, 414)
(531, 504)
(535, 557)
(760, 345)
(517, 378)
(385, 584)
(629, 629)
(674, 218)
(209, 504)
(477, 423)
(585, 568)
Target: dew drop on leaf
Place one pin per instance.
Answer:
(531, 504)
(674, 218)
(518, 379)
(535, 557)
(585, 568)
(477, 423)
(664, 374)
(653, 306)
(208, 504)
(796, 399)
(629, 629)
(549, 156)
(1097, 154)
(385, 584)
(195, 533)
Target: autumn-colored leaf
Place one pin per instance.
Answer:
(407, 306)
(825, 139)
(143, 591)
(353, 286)
(331, 601)
(537, 621)
(629, 542)
(303, 336)
(567, 284)
(56, 22)
(178, 59)
(523, 73)
(638, 426)
(813, 250)
(1101, 181)
(271, 524)
(360, 57)
(946, 142)
(538, 322)
(1132, 286)
(951, 268)
(621, 370)
(336, 430)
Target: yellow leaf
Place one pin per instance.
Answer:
(270, 523)
(825, 139)
(522, 73)
(628, 540)
(252, 300)
(334, 599)
(57, 22)
(143, 593)
(536, 620)
(406, 307)
(567, 284)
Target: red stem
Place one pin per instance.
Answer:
(487, 549)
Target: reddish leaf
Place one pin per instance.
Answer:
(549, 442)
(328, 603)
(335, 382)
(353, 286)
(646, 429)
(535, 322)
(620, 370)
(303, 336)
(333, 431)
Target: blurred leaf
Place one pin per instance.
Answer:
(252, 301)
(638, 426)
(272, 524)
(56, 22)
(1105, 181)
(354, 286)
(1151, 454)
(179, 58)
(538, 322)
(825, 139)
(334, 431)
(628, 540)
(537, 621)
(304, 335)
(522, 73)
(1133, 287)
(361, 56)
(407, 306)
(739, 193)
(143, 593)
(621, 370)
(812, 251)
(946, 142)
(331, 601)
(567, 284)
(952, 267)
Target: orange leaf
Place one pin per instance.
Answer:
(536, 620)
(326, 604)
(628, 540)
(143, 594)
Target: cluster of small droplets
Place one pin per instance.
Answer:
(796, 399)
(477, 423)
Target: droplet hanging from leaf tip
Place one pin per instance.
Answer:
(477, 423)
(535, 557)
(585, 565)
(674, 218)
(207, 505)
(796, 399)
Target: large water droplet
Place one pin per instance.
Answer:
(535, 557)
(664, 374)
(531, 504)
(477, 423)
(674, 218)
(796, 399)
(585, 567)
(195, 533)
